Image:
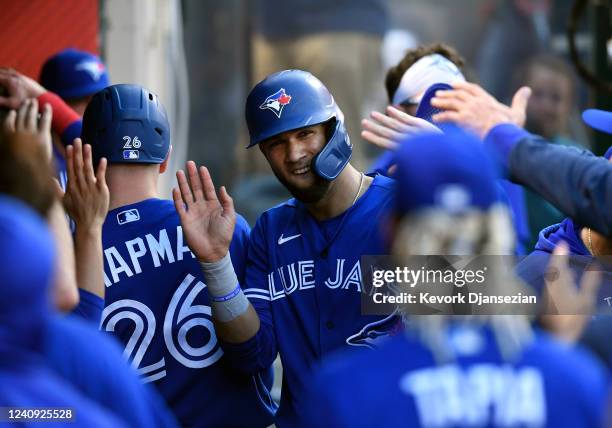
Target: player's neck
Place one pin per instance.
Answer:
(130, 185)
(598, 244)
(343, 192)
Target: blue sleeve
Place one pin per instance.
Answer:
(259, 352)
(514, 195)
(382, 164)
(71, 132)
(93, 363)
(575, 181)
(90, 307)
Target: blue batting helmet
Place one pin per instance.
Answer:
(126, 124)
(293, 99)
(74, 74)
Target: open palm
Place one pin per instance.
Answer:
(208, 221)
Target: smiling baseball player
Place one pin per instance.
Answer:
(301, 296)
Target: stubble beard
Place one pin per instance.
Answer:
(310, 195)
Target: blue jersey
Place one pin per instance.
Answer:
(84, 357)
(304, 281)
(157, 305)
(32, 386)
(549, 385)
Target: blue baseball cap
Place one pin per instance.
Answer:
(600, 120)
(72, 73)
(450, 171)
(425, 110)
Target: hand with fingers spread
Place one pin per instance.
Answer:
(87, 196)
(18, 88)
(208, 221)
(568, 307)
(388, 131)
(23, 126)
(86, 201)
(470, 106)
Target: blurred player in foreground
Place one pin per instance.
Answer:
(485, 371)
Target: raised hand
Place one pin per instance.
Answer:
(388, 131)
(208, 221)
(568, 306)
(472, 107)
(86, 200)
(87, 196)
(23, 126)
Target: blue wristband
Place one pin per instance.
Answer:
(227, 297)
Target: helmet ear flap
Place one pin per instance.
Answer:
(336, 154)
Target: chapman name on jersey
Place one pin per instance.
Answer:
(157, 305)
(156, 248)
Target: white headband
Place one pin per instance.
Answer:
(422, 74)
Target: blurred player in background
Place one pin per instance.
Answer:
(407, 83)
(155, 300)
(549, 112)
(75, 76)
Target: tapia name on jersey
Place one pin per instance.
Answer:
(502, 394)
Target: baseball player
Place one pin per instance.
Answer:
(75, 76)
(410, 86)
(66, 124)
(301, 296)
(460, 371)
(155, 299)
(26, 379)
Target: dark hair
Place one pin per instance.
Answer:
(25, 174)
(395, 74)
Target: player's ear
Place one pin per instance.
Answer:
(164, 165)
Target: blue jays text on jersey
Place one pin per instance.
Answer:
(157, 305)
(548, 384)
(304, 280)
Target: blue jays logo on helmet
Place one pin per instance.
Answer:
(374, 334)
(308, 102)
(276, 102)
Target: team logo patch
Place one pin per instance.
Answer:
(372, 335)
(131, 154)
(93, 68)
(128, 216)
(276, 102)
